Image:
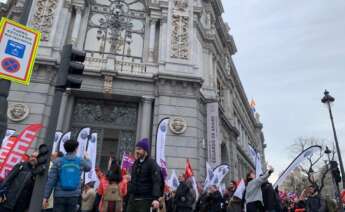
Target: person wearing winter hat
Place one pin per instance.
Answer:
(146, 185)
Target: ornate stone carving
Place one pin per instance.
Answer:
(178, 125)
(180, 21)
(99, 112)
(181, 4)
(43, 17)
(180, 37)
(108, 84)
(18, 112)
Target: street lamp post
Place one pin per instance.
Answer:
(328, 99)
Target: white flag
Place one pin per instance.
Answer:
(256, 160)
(240, 189)
(83, 138)
(219, 173)
(209, 176)
(57, 138)
(64, 138)
(92, 152)
(296, 162)
(173, 181)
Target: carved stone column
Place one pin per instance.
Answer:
(146, 117)
(76, 25)
(152, 39)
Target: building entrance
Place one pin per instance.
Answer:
(115, 122)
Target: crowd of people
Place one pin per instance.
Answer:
(144, 189)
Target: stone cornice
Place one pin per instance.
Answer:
(179, 77)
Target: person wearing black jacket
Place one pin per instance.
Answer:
(17, 187)
(185, 196)
(146, 185)
(210, 201)
(270, 198)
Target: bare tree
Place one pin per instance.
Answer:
(316, 167)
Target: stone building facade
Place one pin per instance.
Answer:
(146, 60)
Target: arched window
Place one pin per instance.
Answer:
(116, 27)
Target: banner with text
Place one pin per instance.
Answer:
(21, 146)
(213, 133)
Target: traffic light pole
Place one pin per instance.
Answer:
(6, 84)
(71, 63)
(40, 182)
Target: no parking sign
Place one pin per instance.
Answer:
(18, 49)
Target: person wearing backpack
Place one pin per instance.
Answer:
(146, 186)
(112, 196)
(65, 178)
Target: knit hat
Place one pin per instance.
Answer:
(144, 144)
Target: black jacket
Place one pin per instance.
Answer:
(146, 180)
(270, 198)
(209, 202)
(19, 185)
(185, 196)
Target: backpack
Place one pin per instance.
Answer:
(112, 193)
(70, 174)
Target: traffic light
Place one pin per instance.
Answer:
(71, 68)
(42, 159)
(335, 171)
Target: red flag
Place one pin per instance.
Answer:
(188, 171)
(18, 150)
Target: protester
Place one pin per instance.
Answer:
(88, 197)
(146, 186)
(112, 198)
(314, 202)
(64, 177)
(253, 195)
(234, 203)
(16, 189)
(50, 206)
(210, 201)
(185, 195)
(103, 183)
(270, 198)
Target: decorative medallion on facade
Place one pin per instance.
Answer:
(18, 112)
(178, 125)
(43, 17)
(180, 30)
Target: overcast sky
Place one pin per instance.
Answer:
(288, 53)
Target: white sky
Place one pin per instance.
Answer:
(288, 53)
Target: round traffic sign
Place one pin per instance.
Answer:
(10, 64)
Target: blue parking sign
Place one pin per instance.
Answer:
(15, 49)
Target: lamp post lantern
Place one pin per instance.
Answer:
(328, 99)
